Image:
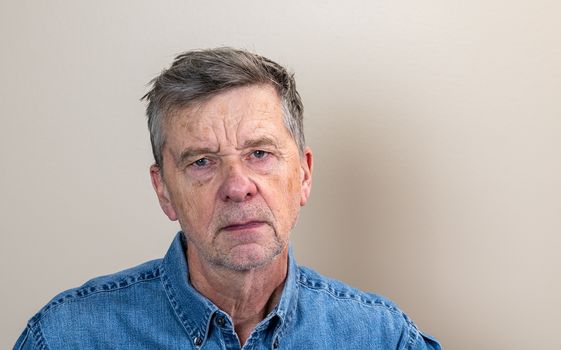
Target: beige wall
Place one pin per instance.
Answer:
(436, 127)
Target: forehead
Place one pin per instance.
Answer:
(236, 113)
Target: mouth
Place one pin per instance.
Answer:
(248, 225)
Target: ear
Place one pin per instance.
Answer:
(306, 165)
(162, 192)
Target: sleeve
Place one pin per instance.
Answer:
(25, 341)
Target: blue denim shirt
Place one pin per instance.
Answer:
(154, 306)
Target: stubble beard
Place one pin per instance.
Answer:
(243, 258)
(245, 261)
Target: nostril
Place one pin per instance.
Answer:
(238, 196)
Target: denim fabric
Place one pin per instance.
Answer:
(153, 306)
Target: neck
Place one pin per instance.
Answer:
(247, 296)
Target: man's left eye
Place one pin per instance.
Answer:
(259, 154)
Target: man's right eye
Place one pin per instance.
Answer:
(201, 162)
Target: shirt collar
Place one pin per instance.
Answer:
(194, 310)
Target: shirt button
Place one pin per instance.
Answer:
(221, 321)
(198, 341)
(276, 343)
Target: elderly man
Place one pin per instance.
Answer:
(232, 167)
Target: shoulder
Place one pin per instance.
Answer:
(105, 285)
(374, 317)
(91, 302)
(336, 290)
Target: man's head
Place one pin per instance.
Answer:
(231, 164)
(196, 76)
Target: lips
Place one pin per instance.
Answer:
(244, 225)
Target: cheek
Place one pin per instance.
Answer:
(294, 185)
(193, 205)
(286, 194)
(295, 181)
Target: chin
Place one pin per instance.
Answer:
(250, 256)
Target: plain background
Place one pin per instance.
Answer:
(435, 124)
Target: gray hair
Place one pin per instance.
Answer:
(196, 76)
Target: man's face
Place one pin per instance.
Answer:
(233, 177)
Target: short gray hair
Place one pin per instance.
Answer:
(196, 76)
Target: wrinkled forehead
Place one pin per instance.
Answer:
(233, 114)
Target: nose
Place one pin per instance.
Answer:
(237, 186)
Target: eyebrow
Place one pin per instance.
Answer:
(190, 152)
(260, 142)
